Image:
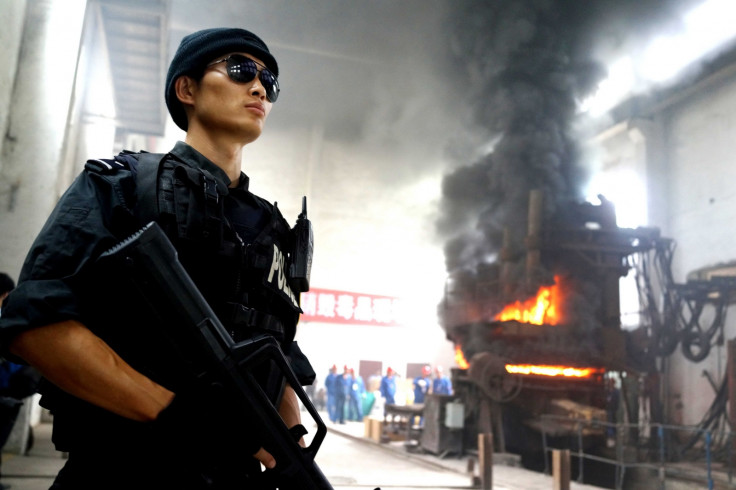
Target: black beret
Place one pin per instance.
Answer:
(201, 47)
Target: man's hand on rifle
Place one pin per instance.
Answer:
(290, 413)
(289, 410)
(265, 458)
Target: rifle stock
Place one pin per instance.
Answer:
(149, 262)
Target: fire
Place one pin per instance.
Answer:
(539, 310)
(460, 358)
(566, 371)
(540, 370)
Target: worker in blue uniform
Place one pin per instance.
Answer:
(441, 384)
(422, 384)
(388, 387)
(330, 381)
(355, 396)
(341, 394)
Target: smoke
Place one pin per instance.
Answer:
(527, 78)
(528, 64)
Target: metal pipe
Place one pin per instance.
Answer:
(620, 457)
(707, 459)
(730, 457)
(581, 455)
(660, 433)
(506, 255)
(534, 228)
(545, 452)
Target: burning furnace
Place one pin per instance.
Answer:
(536, 330)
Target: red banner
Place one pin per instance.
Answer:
(329, 306)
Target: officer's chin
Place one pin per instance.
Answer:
(251, 134)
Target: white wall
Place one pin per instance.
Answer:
(685, 155)
(702, 211)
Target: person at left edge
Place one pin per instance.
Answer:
(17, 382)
(6, 285)
(125, 410)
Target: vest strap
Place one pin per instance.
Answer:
(147, 207)
(242, 316)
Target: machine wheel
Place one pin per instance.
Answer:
(696, 345)
(489, 373)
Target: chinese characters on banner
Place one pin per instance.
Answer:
(329, 306)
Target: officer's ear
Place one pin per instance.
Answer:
(185, 89)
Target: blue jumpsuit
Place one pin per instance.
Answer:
(388, 389)
(355, 398)
(341, 392)
(330, 389)
(421, 388)
(442, 386)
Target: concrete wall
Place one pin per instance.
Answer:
(702, 207)
(684, 154)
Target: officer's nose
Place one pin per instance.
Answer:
(257, 89)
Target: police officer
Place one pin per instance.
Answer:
(123, 408)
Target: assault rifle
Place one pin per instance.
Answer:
(149, 262)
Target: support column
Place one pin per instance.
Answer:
(485, 460)
(37, 113)
(731, 373)
(561, 469)
(12, 12)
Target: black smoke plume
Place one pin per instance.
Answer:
(525, 65)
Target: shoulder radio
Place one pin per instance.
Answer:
(301, 264)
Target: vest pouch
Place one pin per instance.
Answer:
(267, 267)
(198, 206)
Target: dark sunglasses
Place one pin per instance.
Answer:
(243, 70)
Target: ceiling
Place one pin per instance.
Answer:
(136, 33)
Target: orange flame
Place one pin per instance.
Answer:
(539, 310)
(460, 358)
(565, 371)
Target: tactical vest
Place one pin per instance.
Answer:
(248, 285)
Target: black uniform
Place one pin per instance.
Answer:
(228, 240)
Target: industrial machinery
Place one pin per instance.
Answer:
(539, 332)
